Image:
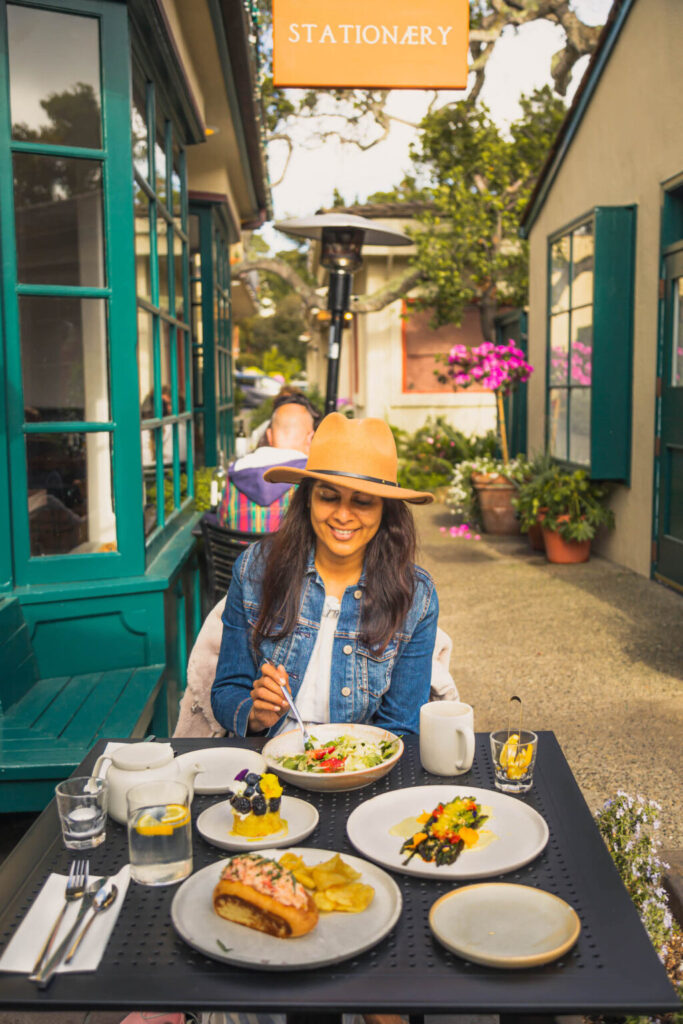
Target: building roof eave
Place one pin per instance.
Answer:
(232, 37)
(568, 129)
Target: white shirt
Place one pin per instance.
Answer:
(313, 699)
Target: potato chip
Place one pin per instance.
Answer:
(352, 898)
(333, 872)
(298, 868)
(321, 901)
(334, 883)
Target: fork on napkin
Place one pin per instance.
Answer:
(25, 944)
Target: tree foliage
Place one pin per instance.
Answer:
(478, 181)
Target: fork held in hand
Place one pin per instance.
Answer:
(295, 710)
(76, 884)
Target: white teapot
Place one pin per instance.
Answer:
(133, 763)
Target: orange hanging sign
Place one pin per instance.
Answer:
(387, 44)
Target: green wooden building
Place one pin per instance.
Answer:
(131, 161)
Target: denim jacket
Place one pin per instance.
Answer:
(384, 689)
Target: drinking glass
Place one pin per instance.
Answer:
(159, 832)
(82, 806)
(514, 757)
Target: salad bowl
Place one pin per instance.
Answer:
(290, 745)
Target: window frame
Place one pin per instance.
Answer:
(568, 387)
(178, 246)
(614, 232)
(217, 407)
(118, 292)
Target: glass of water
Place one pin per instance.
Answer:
(159, 832)
(82, 806)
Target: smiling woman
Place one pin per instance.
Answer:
(332, 607)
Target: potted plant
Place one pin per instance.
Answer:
(570, 508)
(478, 492)
(500, 368)
(528, 501)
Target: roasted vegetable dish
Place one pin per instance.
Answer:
(446, 831)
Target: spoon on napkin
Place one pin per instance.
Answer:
(103, 900)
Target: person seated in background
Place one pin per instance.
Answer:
(251, 504)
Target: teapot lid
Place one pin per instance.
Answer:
(138, 756)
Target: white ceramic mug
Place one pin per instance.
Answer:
(446, 737)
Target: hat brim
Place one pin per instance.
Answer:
(291, 475)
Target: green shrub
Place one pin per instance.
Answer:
(427, 457)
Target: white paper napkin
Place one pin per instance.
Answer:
(27, 941)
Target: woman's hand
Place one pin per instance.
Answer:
(268, 699)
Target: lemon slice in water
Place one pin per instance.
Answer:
(173, 816)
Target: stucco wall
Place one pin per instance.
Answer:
(628, 146)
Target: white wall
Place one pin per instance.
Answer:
(628, 146)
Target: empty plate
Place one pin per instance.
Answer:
(215, 824)
(504, 925)
(220, 765)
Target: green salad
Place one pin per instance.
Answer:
(343, 754)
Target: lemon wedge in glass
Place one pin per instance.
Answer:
(163, 823)
(513, 759)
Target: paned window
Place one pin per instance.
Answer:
(211, 331)
(223, 339)
(162, 286)
(61, 315)
(571, 345)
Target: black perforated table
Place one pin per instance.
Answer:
(612, 969)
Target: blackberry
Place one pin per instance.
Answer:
(274, 803)
(258, 804)
(242, 804)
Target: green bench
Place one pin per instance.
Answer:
(48, 725)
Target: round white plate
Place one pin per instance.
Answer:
(520, 831)
(220, 765)
(291, 743)
(337, 936)
(503, 925)
(216, 821)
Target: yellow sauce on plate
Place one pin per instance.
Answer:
(409, 826)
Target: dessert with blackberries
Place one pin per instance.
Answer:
(255, 804)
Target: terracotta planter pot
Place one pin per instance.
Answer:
(535, 535)
(495, 501)
(565, 552)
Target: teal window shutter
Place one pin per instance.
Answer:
(615, 233)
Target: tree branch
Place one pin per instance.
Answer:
(270, 265)
(397, 288)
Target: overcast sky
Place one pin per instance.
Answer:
(520, 63)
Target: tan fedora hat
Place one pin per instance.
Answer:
(360, 454)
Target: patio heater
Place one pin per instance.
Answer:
(342, 237)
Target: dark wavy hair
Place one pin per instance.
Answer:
(389, 562)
